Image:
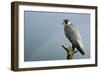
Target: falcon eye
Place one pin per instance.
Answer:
(66, 21)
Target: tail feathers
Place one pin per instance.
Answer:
(81, 50)
(80, 47)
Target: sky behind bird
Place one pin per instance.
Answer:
(44, 35)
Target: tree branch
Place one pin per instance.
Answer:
(70, 51)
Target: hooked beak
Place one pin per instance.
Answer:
(63, 24)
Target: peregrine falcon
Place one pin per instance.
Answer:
(73, 36)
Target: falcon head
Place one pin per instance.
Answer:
(66, 22)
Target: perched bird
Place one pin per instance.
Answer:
(73, 36)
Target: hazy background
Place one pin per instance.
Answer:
(44, 35)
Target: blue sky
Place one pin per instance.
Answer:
(44, 35)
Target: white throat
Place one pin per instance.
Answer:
(69, 23)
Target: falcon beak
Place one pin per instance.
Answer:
(63, 24)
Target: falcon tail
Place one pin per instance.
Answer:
(80, 50)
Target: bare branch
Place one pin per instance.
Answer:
(70, 51)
